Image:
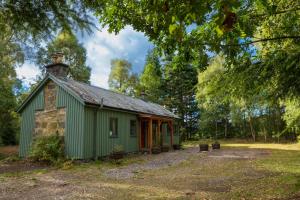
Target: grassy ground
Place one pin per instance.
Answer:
(241, 170)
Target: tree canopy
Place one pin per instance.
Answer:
(32, 21)
(74, 55)
(121, 78)
(151, 78)
(256, 33)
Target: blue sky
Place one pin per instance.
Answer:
(101, 47)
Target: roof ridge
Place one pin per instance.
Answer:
(114, 92)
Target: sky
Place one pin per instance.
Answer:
(101, 47)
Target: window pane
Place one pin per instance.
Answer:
(132, 127)
(113, 127)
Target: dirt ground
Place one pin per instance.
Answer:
(229, 173)
(9, 150)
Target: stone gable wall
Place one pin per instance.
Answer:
(50, 95)
(51, 120)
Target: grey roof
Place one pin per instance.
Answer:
(96, 95)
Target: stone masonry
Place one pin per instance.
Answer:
(50, 95)
(50, 120)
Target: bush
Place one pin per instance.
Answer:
(117, 153)
(118, 149)
(47, 149)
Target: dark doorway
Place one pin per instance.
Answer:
(144, 134)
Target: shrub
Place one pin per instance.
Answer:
(68, 164)
(117, 153)
(47, 149)
(118, 149)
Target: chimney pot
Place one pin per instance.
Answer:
(57, 68)
(57, 57)
(143, 95)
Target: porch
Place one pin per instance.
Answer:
(151, 132)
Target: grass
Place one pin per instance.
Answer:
(273, 174)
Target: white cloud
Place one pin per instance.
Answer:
(28, 73)
(101, 47)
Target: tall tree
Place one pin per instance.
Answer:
(180, 79)
(74, 55)
(230, 107)
(11, 56)
(151, 78)
(213, 99)
(121, 77)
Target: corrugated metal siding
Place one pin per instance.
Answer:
(74, 134)
(27, 122)
(89, 128)
(104, 143)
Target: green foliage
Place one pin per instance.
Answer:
(11, 57)
(292, 113)
(121, 78)
(259, 38)
(49, 149)
(179, 90)
(151, 78)
(33, 21)
(231, 110)
(74, 55)
(118, 149)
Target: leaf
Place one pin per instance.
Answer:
(172, 28)
(243, 34)
(219, 31)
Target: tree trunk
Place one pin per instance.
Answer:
(251, 129)
(216, 130)
(225, 132)
(265, 133)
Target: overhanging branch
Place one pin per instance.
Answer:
(265, 40)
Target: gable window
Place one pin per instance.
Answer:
(132, 128)
(113, 127)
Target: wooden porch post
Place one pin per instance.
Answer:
(140, 134)
(171, 128)
(158, 131)
(162, 136)
(150, 134)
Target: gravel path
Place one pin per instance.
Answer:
(152, 162)
(175, 157)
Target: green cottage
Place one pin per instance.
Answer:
(92, 120)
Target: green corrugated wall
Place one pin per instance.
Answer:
(27, 122)
(74, 128)
(89, 132)
(105, 143)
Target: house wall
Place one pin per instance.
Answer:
(50, 120)
(28, 122)
(51, 111)
(98, 134)
(74, 126)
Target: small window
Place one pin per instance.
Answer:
(113, 127)
(132, 127)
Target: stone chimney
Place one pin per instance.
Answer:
(57, 68)
(143, 95)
